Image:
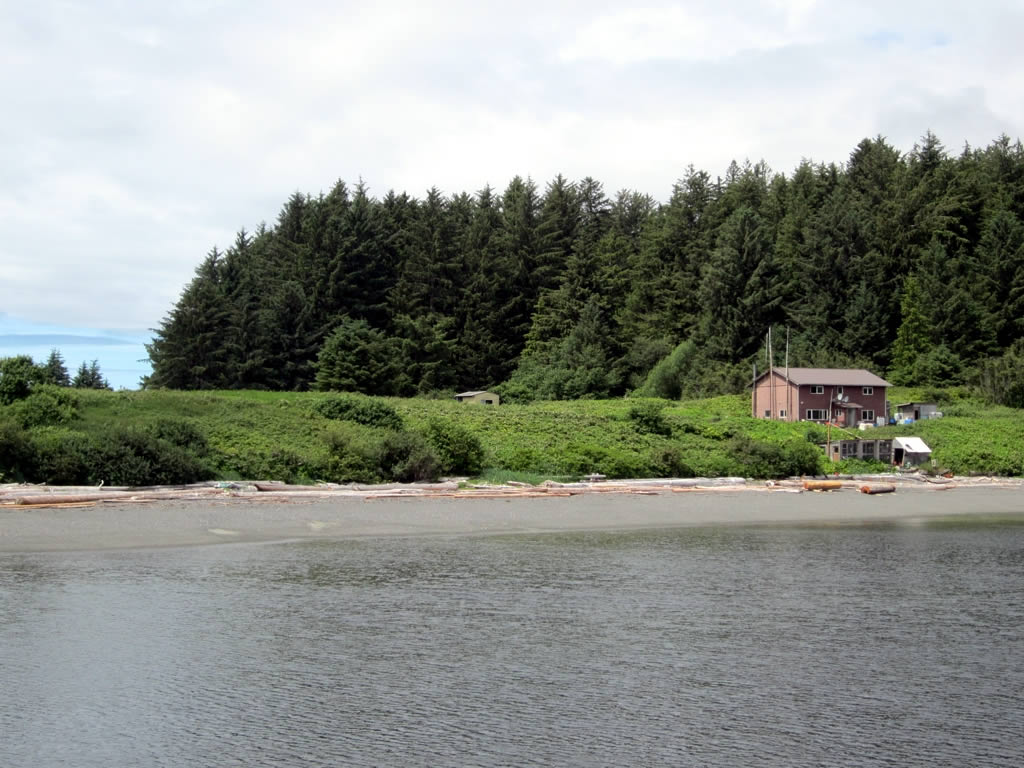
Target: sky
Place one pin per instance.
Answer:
(138, 134)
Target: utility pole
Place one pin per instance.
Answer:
(755, 389)
(789, 386)
(828, 429)
(771, 374)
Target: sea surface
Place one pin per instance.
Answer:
(848, 645)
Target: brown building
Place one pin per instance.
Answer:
(846, 395)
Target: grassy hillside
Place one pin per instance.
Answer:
(290, 436)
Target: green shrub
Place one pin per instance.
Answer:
(278, 464)
(758, 458)
(46, 405)
(18, 375)
(184, 434)
(816, 434)
(668, 462)
(407, 457)
(458, 450)
(668, 377)
(366, 411)
(130, 456)
(353, 456)
(62, 456)
(648, 418)
(16, 453)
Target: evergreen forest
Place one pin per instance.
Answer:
(910, 264)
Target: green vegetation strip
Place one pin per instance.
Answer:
(63, 436)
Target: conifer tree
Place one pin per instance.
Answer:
(54, 370)
(90, 377)
(913, 337)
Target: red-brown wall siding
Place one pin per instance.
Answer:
(802, 399)
(873, 402)
(762, 399)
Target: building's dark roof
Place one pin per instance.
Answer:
(832, 377)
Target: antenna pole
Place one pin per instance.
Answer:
(755, 386)
(789, 384)
(771, 373)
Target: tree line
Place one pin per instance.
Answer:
(910, 264)
(20, 374)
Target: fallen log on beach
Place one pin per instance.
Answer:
(873, 489)
(74, 498)
(823, 485)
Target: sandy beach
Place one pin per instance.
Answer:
(215, 521)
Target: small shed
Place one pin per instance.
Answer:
(906, 412)
(909, 451)
(483, 397)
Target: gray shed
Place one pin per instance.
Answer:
(478, 396)
(916, 412)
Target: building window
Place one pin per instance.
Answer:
(869, 450)
(868, 390)
(817, 389)
(867, 416)
(815, 414)
(782, 413)
(839, 391)
(768, 413)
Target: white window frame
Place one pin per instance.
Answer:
(782, 413)
(867, 390)
(839, 391)
(867, 415)
(817, 389)
(812, 411)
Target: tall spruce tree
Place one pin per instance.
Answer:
(54, 370)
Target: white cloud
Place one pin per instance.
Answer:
(136, 136)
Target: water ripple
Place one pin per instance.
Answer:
(754, 647)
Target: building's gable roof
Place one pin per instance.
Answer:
(911, 444)
(832, 377)
(474, 394)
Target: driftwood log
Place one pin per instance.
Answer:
(823, 485)
(873, 489)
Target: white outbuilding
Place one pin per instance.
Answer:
(909, 451)
(483, 397)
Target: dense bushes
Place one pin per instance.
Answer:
(63, 457)
(648, 418)
(123, 438)
(16, 454)
(130, 456)
(17, 377)
(407, 457)
(46, 405)
(763, 459)
(367, 455)
(458, 450)
(361, 410)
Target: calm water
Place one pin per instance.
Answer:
(849, 646)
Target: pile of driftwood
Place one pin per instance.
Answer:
(67, 496)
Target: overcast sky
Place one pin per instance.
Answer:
(138, 134)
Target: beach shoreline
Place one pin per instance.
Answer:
(283, 517)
